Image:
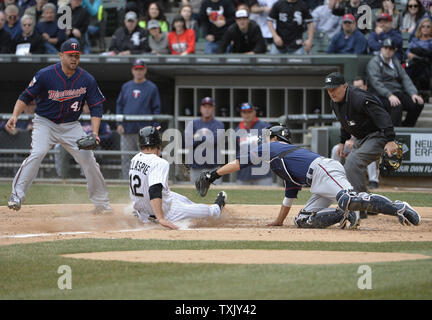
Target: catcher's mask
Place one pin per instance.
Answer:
(149, 137)
(282, 133)
(389, 164)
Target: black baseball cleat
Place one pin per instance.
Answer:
(406, 214)
(221, 199)
(352, 221)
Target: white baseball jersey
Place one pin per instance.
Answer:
(146, 170)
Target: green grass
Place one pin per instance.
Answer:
(63, 193)
(30, 272)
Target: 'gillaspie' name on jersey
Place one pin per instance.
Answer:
(139, 166)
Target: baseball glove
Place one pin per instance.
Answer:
(202, 183)
(389, 164)
(89, 142)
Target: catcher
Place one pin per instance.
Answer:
(326, 178)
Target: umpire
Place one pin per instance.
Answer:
(364, 117)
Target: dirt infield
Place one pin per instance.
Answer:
(36, 223)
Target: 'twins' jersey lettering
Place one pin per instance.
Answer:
(66, 94)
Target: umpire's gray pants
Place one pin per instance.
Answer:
(364, 152)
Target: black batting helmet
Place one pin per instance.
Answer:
(149, 137)
(281, 132)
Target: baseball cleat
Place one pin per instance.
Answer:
(104, 209)
(221, 199)
(406, 214)
(14, 203)
(353, 219)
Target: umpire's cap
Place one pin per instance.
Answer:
(281, 132)
(149, 137)
(334, 80)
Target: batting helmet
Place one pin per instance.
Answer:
(281, 132)
(389, 164)
(149, 137)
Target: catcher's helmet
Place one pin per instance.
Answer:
(389, 164)
(281, 132)
(149, 137)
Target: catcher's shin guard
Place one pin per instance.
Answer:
(326, 218)
(362, 201)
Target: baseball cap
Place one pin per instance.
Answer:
(384, 16)
(334, 80)
(131, 15)
(389, 43)
(138, 63)
(246, 106)
(241, 14)
(70, 46)
(153, 24)
(207, 100)
(348, 17)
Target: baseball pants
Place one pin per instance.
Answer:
(364, 152)
(45, 135)
(183, 208)
(328, 178)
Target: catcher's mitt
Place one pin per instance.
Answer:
(89, 142)
(202, 183)
(389, 164)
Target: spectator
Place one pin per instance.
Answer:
(93, 7)
(260, 10)
(388, 6)
(181, 40)
(155, 12)
(343, 7)
(290, 17)
(247, 141)
(393, 86)
(80, 22)
(243, 36)
(13, 25)
(411, 15)
(21, 125)
(372, 168)
(191, 23)
(419, 54)
(196, 5)
(130, 38)
(215, 18)
(5, 38)
(51, 33)
(325, 21)
(138, 96)
(350, 39)
(384, 30)
(158, 40)
(30, 41)
(201, 135)
(25, 4)
(36, 10)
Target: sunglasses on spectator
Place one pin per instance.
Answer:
(425, 26)
(412, 6)
(12, 17)
(27, 25)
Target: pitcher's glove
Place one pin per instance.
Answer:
(89, 142)
(202, 183)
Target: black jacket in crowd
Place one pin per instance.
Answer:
(37, 43)
(361, 113)
(211, 10)
(241, 42)
(80, 21)
(5, 42)
(136, 41)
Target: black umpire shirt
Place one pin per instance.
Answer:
(360, 113)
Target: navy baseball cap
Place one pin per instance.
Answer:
(334, 80)
(139, 64)
(389, 43)
(207, 100)
(246, 106)
(70, 46)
